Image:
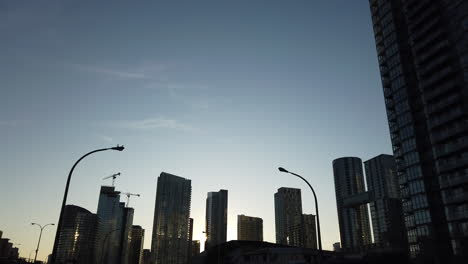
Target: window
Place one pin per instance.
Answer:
(416, 187)
(414, 172)
(406, 132)
(422, 217)
(419, 201)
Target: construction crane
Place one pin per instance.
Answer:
(128, 196)
(113, 176)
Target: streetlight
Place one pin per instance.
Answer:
(59, 226)
(316, 205)
(40, 235)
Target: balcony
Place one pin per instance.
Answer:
(446, 183)
(456, 199)
(433, 50)
(440, 89)
(449, 101)
(445, 118)
(432, 65)
(448, 149)
(451, 165)
(448, 133)
(453, 216)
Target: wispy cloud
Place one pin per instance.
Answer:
(153, 123)
(114, 73)
(107, 139)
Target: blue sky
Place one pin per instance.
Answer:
(220, 92)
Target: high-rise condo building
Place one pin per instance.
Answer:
(170, 241)
(249, 228)
(385, 205)
(288, 217)
(77, 238)
(422, 49)
(353, 218)
(115, 224)
(216, 218)
(309, 231)
(137, 238)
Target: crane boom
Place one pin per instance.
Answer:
(128, 196)
(113, 176)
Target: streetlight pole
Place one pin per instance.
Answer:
(316, 206)
(40, 235)
(59, 226)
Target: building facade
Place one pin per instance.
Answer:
(110, 213)
(249, 228)
(77, 238)
(386, 207)
(310, 231)
(422, 49)
(170, 241)
(288, 217)
(353, 219)
(216, 218)
(137, 238)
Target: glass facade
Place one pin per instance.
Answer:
(170, 241)
(353, 220)
(77, 238)
(216, 218)
(422, 48)
(288, 217)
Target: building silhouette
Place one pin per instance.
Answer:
(422, 53)
(288, 217)
(309, 231)
(249, 228)
(170, 241)
(216, 218)
(351, 199)
(8, 253)
(137, 238)
(115, 224)
(385, 205)
(146, 256)
(77, 238)
(195, 248)
(337, 246)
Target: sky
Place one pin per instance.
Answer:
(219, 92)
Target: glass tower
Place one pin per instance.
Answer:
(422, 49)
(216, 218)
(170, 241)
(288, 217)
(353, 220)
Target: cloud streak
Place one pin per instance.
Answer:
(153, 123)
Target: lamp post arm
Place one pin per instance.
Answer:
(59, 225)
(316, 210)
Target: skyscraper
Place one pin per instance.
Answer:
(137, 238)
(249, 228)
(77, 238)
(352, 218)
(170, 241)
(115, 223)
(386, 207)
(309, 231)
(288, 216)
(216, 218)
(423, 56)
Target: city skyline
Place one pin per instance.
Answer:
(184, 122)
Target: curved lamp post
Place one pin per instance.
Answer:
(40, 235)
(316, 206)
(59, 226)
